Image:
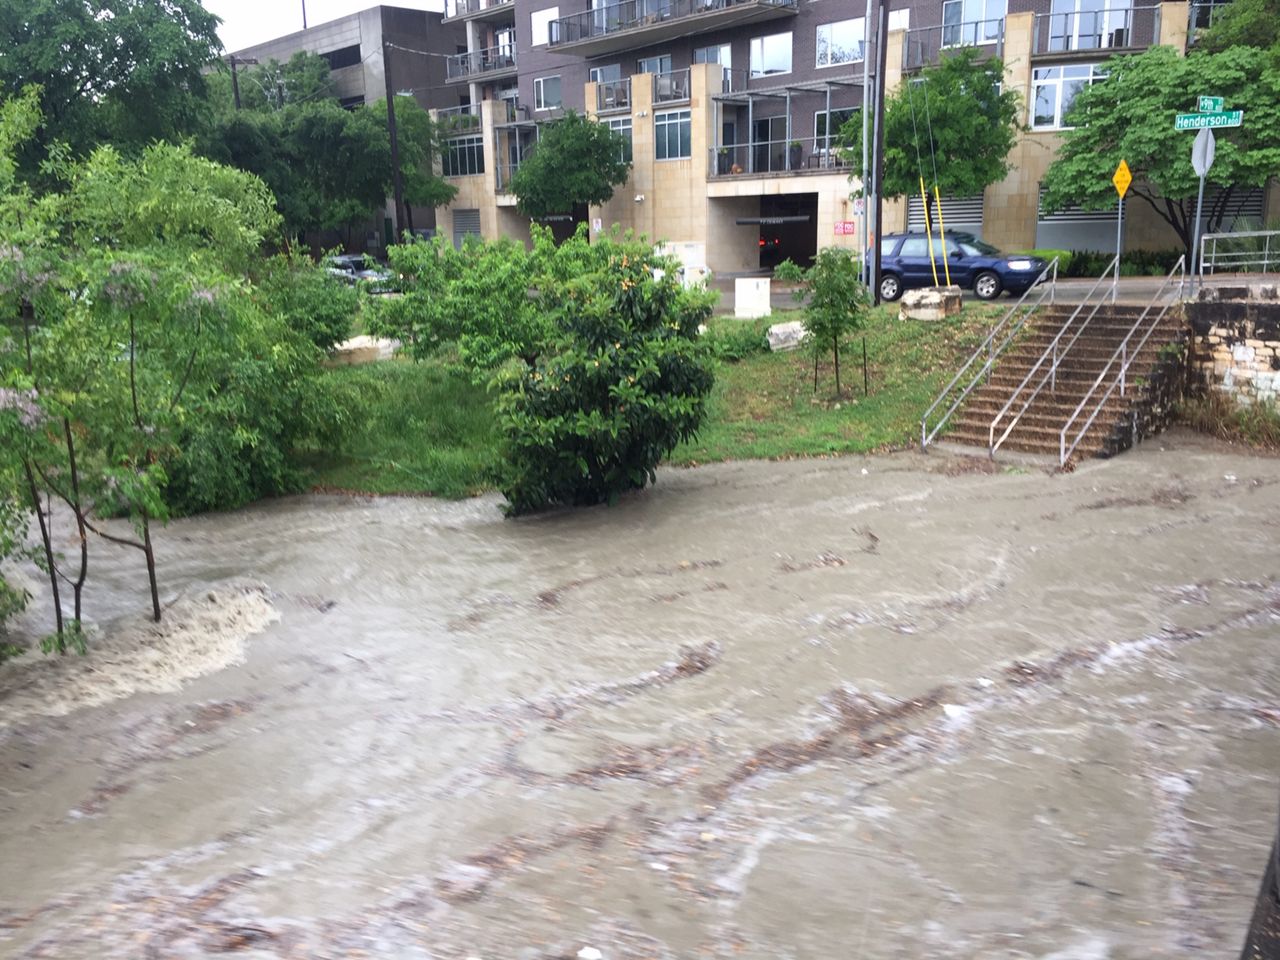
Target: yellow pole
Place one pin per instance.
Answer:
(928, 229)
(942, 236)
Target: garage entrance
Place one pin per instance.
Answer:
(788, 229)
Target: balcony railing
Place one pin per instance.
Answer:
(814, 154)
(924, 45)
(613, 95)
(503, 174)
(671, 87)
(462, 8)
(478, 62)
(632, 14)
(1115, 28)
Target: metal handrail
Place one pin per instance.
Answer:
(1239, 258)
(1049, 273)
(924, 44)
(1126, 357)
(671, 87)
(1109, 28)
(480, 61)
(1050, 351)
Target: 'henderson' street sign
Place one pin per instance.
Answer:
(1210, 105)
(1200, 121)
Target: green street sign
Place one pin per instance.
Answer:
(1210, 105)
(1199, 121)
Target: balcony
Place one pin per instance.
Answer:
(635, 23)
(815, 155)
(671, 87)
(1088, 32)
(613, 96)
(478, 9)
(924, 45)
(489, 64)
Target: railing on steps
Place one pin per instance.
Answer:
(1125, 355)
(1053, 354)
(988, 347)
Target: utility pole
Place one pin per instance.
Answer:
(867, 99)
(397, 185)
(877, 172)
(235, 77)
(304, 14)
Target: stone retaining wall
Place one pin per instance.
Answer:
(1236, 342)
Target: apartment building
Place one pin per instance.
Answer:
(730, 107)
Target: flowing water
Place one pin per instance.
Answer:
(859, 708)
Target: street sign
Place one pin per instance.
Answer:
(1209, 105)
(1201, 121)
(1202, 152)
(1122, 178)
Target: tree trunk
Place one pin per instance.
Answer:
(47, 539)
(151, 567)
(77, 585)
(815, 368)
(835, 351)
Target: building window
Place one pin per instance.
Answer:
(344, 57)
(608, 74)
(622, 127)
(463, 156)
(546, 93)
(672, 135)
(838, 119)
(840, 42)
(971, 22)
(721, 54)
(1087, 25)
(771, 54)
(540, 25)
(1054, 91)
(660, 64)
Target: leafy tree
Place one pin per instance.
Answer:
(576, 162)
(1242, 23)
(124, 71)
(837, 302)
(1130, 115)
(308, 299)
(476, 297)
(956, 111)
(304, 78)
(420, 141)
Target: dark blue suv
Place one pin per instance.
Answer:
(904, 264)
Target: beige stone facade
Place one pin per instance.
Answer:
(713, 219)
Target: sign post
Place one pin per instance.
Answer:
(1202, 152)
(1121, 179)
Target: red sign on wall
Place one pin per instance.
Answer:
(846, 228)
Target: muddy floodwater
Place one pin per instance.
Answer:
(891, 707)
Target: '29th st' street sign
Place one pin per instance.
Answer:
(1202, 121)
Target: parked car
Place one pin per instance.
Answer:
(354, 267)
(904, 265)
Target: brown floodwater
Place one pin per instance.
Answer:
(899, 706)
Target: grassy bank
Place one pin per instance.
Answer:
(429, 430)
(765, 406)
(426, 430)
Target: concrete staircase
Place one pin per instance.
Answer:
(1039, 428)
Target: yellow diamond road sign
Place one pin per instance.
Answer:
(1122, 178)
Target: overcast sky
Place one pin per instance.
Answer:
(246, 22)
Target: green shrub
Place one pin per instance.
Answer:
(734, 340)
(309, 300)
(619, 381)
(1047, 254)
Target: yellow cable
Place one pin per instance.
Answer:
(928, 229)
(942, 236)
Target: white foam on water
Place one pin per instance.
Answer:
(1095, 948)
(197, 635)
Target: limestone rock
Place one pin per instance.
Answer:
(931, 304)
(363, 349)
(785, 336)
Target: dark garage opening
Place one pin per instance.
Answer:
(788, 229)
